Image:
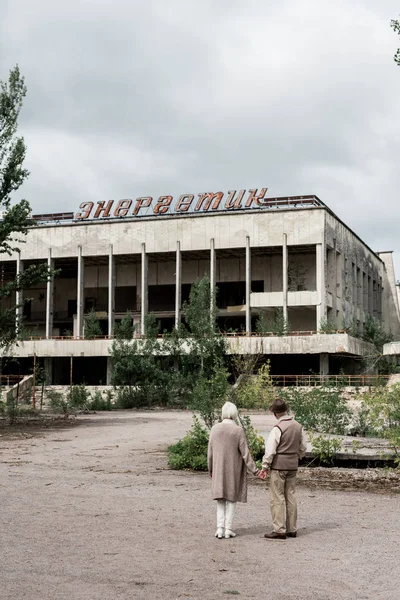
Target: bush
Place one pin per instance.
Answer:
(324, 410)
(325, 448)
(99, 402)
(191, 451)
(78, 397)
(255, 441)
(255, 391)
(57, 402)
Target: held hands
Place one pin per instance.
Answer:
(262, 474)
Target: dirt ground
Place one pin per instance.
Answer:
(91, 512)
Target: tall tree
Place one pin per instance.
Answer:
(15, 220)
(395, 25)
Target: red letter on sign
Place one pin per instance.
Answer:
(184, 203)
(100, 209)
(162, 205)
(210, 196)
(87, 206)
(122, 209)
(231, 202)
(142, 203)
(257, 199)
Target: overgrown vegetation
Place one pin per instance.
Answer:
(395, 25)
(276, 325)
(16, 219)
(78, 399)
(254, 390)
(323, 410)
(191, 451)
(184, 368)
(379, 415)
(92, 326)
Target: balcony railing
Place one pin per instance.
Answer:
(331, 380)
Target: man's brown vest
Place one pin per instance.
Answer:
(287, 452)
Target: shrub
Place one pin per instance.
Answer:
(98, 402)
(191, 451)
(255, 391)
(325, 448)
(57, 402)
(255, 441)
(324, 410)
(78, 397)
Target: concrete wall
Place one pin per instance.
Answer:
(296, 344)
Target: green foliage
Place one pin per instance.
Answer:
(137, 370)
(58, 402)
(92, 326)
(191, 451)
(184, 368)
(16, 217)
(255, 441)
(278, 325)
(99, 402)
(324, 410)
(395, 25)
(327, 326)
(254, 391)
(209, 394)
(124, 330)
(376, 335)
(200, 312)
(78, 397)
(324, 448)
(382, 413)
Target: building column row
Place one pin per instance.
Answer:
(143, 287)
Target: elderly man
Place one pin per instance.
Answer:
(286, 444)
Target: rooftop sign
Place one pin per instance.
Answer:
(186, 203)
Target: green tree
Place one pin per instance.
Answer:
(92, 326)
(137, 371)
(16, 219)
(125, 329)
(377, 336)
(395, 25)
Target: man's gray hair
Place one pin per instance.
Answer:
(229, 411)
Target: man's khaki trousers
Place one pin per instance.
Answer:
(282, 495)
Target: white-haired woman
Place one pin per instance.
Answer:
(228, 457)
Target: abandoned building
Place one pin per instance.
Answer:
(264, 255)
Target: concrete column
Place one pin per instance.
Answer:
(109, 371)
(324, 364)
(111, 292)
(285, 277)
(144, 303)
(48, 367)
(19, 298)
(321, 282)
(248, 285)
(80, 300)
(50, 299)
(178, 285)
(213, 277)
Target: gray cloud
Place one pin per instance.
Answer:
(133, 98)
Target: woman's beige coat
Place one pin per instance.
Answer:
(228, 457)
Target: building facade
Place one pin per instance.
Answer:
(288, 254)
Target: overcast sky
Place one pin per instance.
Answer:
(129, 98)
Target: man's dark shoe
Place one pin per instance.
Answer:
(291, 534)
(275, 536)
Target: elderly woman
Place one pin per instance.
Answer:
(228, 457)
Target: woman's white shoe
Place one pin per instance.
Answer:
(219, 533)
(229, 534)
